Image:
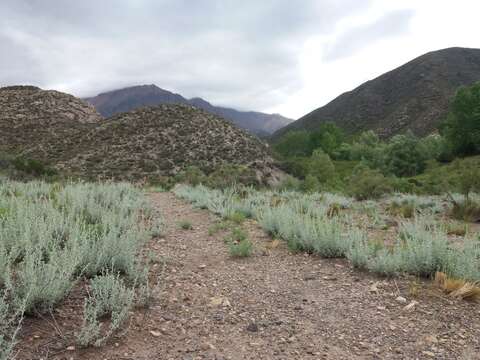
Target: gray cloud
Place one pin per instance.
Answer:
(391, 24)
(230, 52)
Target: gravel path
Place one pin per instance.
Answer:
(279, 305)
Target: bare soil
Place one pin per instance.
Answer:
(272, 305)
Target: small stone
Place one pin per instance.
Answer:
(202, 266)
(329, 278)
(252, 327)
(411, 306)
(431, 339)
(155, 333)
(71, 348)
(216, 301)
(401, 300)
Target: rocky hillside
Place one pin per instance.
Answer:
(160, 141)
(117, 101)
(39, 123)
(66, 133)
(414, 96)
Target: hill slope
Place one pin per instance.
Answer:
(39, 123)
(160, 141)
(414, 96)
(68, 134)
(122, 100)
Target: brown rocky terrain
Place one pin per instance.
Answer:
(66, 133)
(414, 96)
(160, 141)
(39, 123)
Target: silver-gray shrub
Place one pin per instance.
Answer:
(421, 248)
(109, 296)
(51, 235)
(464, 262)
(305, 229)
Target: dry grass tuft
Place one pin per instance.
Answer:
(456, 288)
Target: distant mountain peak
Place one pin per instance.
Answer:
(133, 97)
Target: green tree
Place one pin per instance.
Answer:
(321, 167)
(462, 128)
(432, 147)
(468, 180)
(293, 143)
(369, 149)
(402, 156)
(328, 137)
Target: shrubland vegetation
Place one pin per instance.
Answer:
(367, 167)
(54, 237)
(334, 226)
(20, 167)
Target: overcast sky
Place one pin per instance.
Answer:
(281, 56)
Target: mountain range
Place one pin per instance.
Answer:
(130, 98)
(414, 96)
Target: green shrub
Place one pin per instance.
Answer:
(215, 228)
(185, 225)
(403, 208)
(243, 248)
(321, 167)
(402, 185)
(236, 217)
(230, 175)
(237, 235)
(32, 167)
(288, 183)
(191, 175)
(296, 166)
(366, 184)
(311, 184)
